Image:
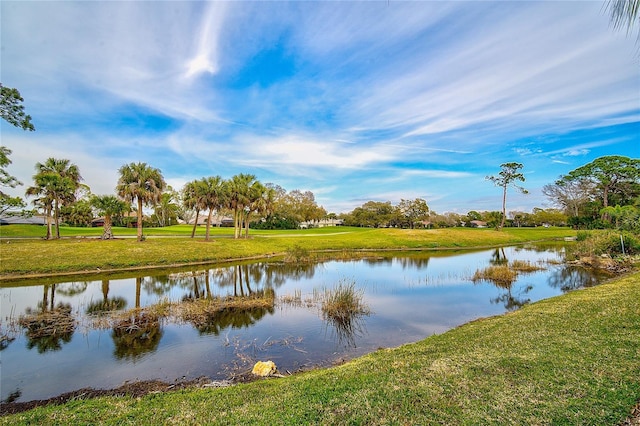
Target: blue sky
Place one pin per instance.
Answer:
(354, 101)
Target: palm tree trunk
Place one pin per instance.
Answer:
(47, 211)
(237, 223)
(139, 219)
(107, 234)
(193, 231)
(206, 235)
(246, 225)
(56, 218)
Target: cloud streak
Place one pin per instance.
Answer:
(359, 99)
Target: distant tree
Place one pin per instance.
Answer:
(78, 213)
(56, 183)
(413, 211)
(304, 207)
(622, 217)
(142, 183)
(553, 217)
(237, 189)
(473, 215)
(371, 214)
(166, 210)
(507, 177)
(493, 218)
(213, 198)
(570, 194)
(193, 198)
(108, 206)
(259, 203)
(12, 110)
(612, 175)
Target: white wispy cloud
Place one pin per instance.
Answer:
(399, 99)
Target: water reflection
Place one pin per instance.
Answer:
(573, 277)
(107, 304)
(346, 329)
(187, 317)
(137, 334)
(48, 326)
(214, 322)
(511, 302)
(499, 257)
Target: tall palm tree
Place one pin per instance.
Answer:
(214, 197)
(193, 195)
(56, 182)
(238, 198)
(260, 200)
(108, 206)
(44, 202)
(142, 183)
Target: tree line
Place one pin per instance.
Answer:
(58, 192)
(602, 194)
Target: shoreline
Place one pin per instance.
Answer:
(221, 262)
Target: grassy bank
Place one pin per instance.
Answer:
(170, 246)
(573, 359)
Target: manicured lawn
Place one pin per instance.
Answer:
(172, 245)
(573, 359)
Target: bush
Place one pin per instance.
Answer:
(297, 254)
(608, 242)
(582, 235)
(343, 302)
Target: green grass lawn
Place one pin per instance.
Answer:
(573, 359)
(82, 250)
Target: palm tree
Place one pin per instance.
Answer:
(193, 198)
(108, 206)
(44, 201)
(624, 13)
(142, 183)
(260, 201)
(238, 192)
(166, 210)
(56, 181)
(214, 194)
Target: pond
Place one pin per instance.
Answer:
(58, 337)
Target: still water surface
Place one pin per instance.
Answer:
(410, 298)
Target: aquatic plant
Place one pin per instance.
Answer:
(343, 302)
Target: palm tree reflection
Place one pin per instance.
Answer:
(136, 335)
(48, 326)
(106, 304)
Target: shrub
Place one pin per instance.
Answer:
(524, 266)
(297, 254)
(500, 275)
(582, 235)
(343, 302)
(608, 242)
